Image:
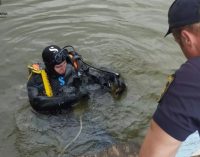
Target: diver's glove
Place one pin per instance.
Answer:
(83, 92)
(68, 100)
(77, 81)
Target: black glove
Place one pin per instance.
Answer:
(76, 81)
(83, 92)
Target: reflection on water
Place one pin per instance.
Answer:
(126, 36)
(120, 150)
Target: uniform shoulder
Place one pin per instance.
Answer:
(190, 69)
(192, 64)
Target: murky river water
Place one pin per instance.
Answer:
(126, 36)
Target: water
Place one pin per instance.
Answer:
(126, 36)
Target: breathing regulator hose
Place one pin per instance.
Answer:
(114, 73)
(70, 49)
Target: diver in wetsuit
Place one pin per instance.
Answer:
(67, 80)
(61, 76)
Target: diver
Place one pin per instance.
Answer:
(64, 79)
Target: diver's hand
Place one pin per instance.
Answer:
(83, 93)
(77, 81)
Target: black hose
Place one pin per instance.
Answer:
(73, 50)
(114, 73)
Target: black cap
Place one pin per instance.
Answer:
(182, 13)
(53, 55)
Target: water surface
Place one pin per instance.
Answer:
(126, 36)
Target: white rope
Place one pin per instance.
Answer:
(63, 151)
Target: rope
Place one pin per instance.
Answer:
(72, 141)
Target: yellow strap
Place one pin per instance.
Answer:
(46, 83)
(35, 68)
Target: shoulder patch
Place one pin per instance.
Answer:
(170, 79)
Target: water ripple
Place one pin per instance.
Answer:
(126, 36)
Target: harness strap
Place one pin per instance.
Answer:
(74, 61)
(36, 68)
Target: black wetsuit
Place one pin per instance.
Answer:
(67, 89)
(65, 92)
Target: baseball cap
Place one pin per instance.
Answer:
(182, 13)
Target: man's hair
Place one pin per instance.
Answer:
(193, 28)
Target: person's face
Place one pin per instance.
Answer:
(61, 68)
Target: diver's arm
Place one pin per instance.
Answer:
(44, 103)
(158, 143)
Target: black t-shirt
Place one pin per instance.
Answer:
(178, 112)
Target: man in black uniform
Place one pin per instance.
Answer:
(178, 113)
(64, 80)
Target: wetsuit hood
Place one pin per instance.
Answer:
(53, 55)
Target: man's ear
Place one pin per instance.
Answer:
(186, 38)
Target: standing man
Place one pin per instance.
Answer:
(178, 112)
